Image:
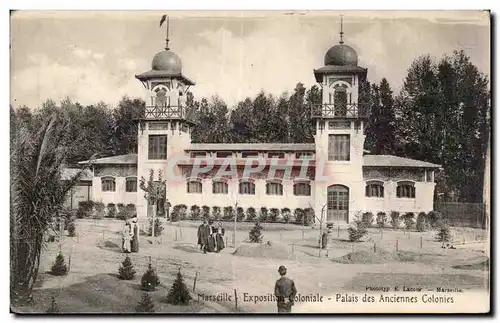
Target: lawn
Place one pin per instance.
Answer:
(92, 286)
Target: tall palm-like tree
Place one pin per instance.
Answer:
(37, 194)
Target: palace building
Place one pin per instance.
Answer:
(334, 175)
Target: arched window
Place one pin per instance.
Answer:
(108, 184)
(194, 187)
(219, 187)
(405, 190)
(302, 189)
(131, 184)
(247, 188)
(340, 100)
(374, 189)
(274, 188)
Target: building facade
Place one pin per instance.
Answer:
(334, 176)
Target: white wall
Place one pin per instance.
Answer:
(118, 196)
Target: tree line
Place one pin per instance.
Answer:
(441, 115)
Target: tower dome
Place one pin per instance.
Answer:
(167, 61)
(341, 55)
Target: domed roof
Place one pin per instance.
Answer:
(341, 55)
(167, 61)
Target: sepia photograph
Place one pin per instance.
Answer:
(250, 162)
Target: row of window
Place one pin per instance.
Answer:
(248, 188)
(108, 184)
(404, 190)
(251, 154)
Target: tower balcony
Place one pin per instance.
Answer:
(168, 112)
(330, 111)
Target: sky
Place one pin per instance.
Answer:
(93, 56)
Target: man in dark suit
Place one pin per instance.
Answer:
(285, 292)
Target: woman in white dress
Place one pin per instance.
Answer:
(126, 237)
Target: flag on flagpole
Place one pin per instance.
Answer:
(163, 18)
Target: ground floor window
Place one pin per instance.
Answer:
(194, 187)
(302, 189)
(220, 188)
(131, 184)
(108, 184)
(374, 189)
(406, 190)
(247, 188)
(274, 188)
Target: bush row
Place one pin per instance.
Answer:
(424, 221)
(98, 210)
(263, 214)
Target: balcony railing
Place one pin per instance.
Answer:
(168, 112)
(349, 111)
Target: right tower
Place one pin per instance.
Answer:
(339, 121)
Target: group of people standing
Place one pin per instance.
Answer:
(211, 237)
(130, 236)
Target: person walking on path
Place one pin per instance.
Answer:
(285, 292)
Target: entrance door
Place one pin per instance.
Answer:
(338, 203)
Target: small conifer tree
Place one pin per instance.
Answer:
(150, 280)
(71, 229)
(54, 308)
(179, 293)
(358, 230)
(126, 270)
(443, 233)
(146, 305)
(255, 234)
(59, 267)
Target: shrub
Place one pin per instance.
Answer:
(178, 213)
(54, 308)
(251, 214)
(130, 210)
(71, 229)
(111, 210)
(395, 219)
(381, 218)
(149, 280)
(255, 234)
(146, 305)
(408, 220)
(433, 217)
(367, 219)
(195, 212)
(273, 215)
(263, 214)
(158, 227)
(228, 213)
(216, 212)
(59, 267)
(84, 209)
(357, 230)
(126, 270)
(99, 210)
(285, 213)
(423, 222)
(122, 212)
(443, 233)
(299, 215)
(178, 293)
(240, 214)
(205, 212)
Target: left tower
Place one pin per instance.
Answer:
(164, 126)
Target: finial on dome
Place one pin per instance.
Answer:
(341, 31)
(167, 40)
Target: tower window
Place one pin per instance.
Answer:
(194, 187)
(274, 188)
(276, 155)
(340, 102)
(224, 154)
(249, 154)
(220, 188)
(339, 147)
(157, 147)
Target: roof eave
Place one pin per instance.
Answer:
(147, 75)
